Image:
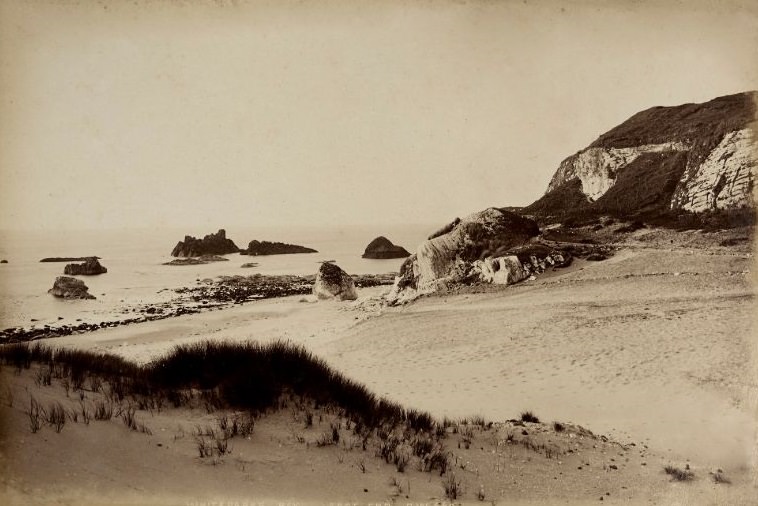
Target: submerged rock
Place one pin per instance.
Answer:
(334, 283)
(211, 244)
(69, 259)
(70, 288)
(203, 259)
(274, 248)
(90, 267)
(382, 248)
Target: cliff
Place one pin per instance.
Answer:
(211, 244)
(692, 157)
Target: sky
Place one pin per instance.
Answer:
(206, 115)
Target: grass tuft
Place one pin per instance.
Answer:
(680, 474)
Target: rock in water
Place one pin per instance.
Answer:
(382, 248)
(333, 283)
(70, 288)
(211, 244)
(3, 261)
(449, 257)
(256, 248)
(90, 267)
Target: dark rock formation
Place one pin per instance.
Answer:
(68, 259)
(382, 248)
(333, 283)
(70, 288)
(90, 267)
(3, 261)
(274, 248)
(662, 161)
(211, 244)
(202, 259)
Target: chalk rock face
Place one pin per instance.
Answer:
(382, 248)
(89, 268)
(448, 257)
(726, 177)
(211, 244)
(597, 167)
(70, 288)
(691, 157)
(500, 270)
(334, 283)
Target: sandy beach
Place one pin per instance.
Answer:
(651, 347)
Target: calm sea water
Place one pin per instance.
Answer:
(136, 275)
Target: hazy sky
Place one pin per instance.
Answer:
(213, 114)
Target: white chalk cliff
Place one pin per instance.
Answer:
(717, 139)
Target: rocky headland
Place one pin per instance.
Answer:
(255, 248)
(489, 246)
(661, 163)
(90, 267)
(70, 288)
(211, 244)
(382, 248)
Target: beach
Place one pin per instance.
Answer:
(650, 347)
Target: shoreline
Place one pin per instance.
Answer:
(208, 295)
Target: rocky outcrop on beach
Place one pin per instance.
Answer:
(692, 157)
(382, 248)
(211, 244)
(333, 283)
(69, 259)
(70, 288)
(449, 257)
(255, 248)
(90, 267)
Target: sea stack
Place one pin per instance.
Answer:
(382, 248)
(334, 283)
(70, 288)
(90, 267)
(211, 244)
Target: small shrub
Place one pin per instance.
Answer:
(127, 416)
(718, 477)
(528, 416)
(36, 414)
(103, 410)
(85, 412)
(204, 448)
(480, 495)
(56, 416)
(558, 427)
(222, 446)
(452, 487)
(680, 474)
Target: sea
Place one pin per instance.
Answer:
(136, 274)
